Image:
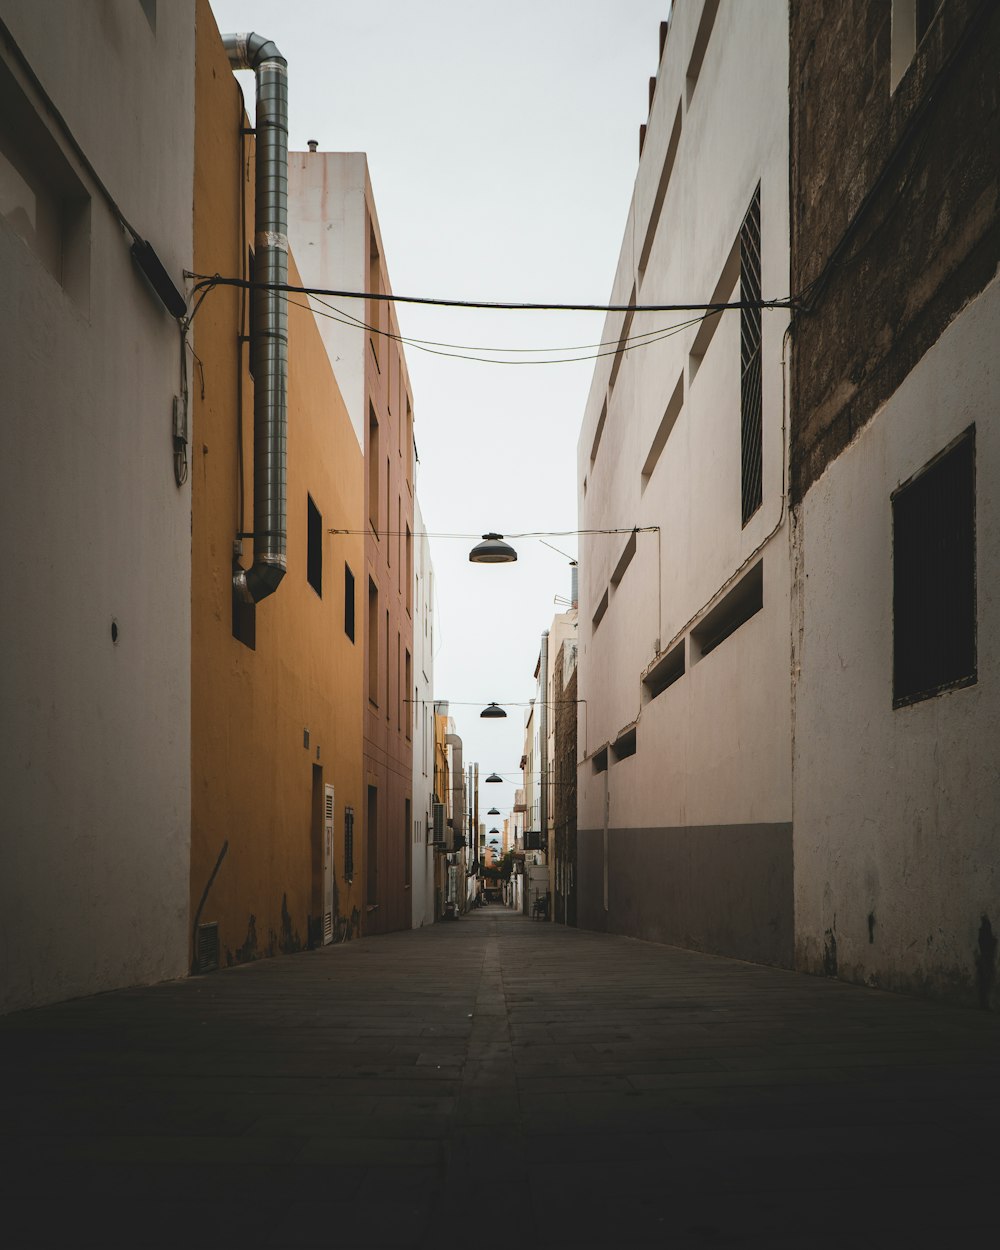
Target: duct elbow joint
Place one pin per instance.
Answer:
(257, 582)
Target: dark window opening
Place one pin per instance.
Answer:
(665, 672)
(600, 760)
(625, 745)
(371, 854)
(349, 843)
(744, 601)
(348, 602)
(934, 577)
(374, 485)
(314, 547)
(751, 408)
(373, 619)
(407, 843)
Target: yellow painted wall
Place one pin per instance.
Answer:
(252, 776)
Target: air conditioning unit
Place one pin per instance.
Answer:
(533, 840)
(438, 824)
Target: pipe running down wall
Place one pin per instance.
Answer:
(457, 786)
(269, 328)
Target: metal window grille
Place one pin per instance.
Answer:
(349, 843)
(751, 411)
(934, 577)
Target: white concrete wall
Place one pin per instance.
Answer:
(95, 739)
(326, 230)
(733, 134)
(423, 722)
(896, 811)
(713, 749)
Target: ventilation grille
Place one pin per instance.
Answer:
(751, 414)
(207, 953)
(438, 822)
(327, 928)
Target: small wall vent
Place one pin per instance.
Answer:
(207, 953)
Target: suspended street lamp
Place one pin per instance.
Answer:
(494, 777)
(494, 811)
(492, 550)
(493, 712)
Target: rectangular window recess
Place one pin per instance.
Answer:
(722, 294)
(599, 760)
(908, 25)
(702, 36)
(41, 198)
(661, 193)
(934, 576)
(622, 347)
(348, 602)
(751, 404)
(664, 672)
(624, 560)
(314, 546)
(741, 603)
(602, 607)
(624, 745)
(599, 431)
(667, 421)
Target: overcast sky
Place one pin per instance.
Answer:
(503, 143)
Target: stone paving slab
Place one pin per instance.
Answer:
(493, 1081)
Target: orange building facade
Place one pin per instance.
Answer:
(277, 763)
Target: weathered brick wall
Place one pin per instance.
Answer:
(895, 197)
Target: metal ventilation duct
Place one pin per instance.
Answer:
(269, 329)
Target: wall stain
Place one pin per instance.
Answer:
(288, 942)
(243, 954)
(986, 963)
(830, 954)
(871, 928)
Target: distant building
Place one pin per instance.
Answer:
(96, 169)
(334, 233)
(685, 794)
(895, 491)
(422, 694)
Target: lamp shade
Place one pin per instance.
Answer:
(494, 811)
(494, 777)
(492, 550)
(493, 711)
(494, 831)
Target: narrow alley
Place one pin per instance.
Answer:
(499, 1081)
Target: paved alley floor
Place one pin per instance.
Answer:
(500, 1081)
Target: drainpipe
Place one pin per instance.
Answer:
(269, 331)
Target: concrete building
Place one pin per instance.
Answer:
(96, 174)
(334, 232)
(422, 694)
(685, 794)
(895, 468)
(277, 861)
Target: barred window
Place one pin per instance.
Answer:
(751, 411)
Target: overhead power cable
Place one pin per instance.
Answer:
(203, 280)
(652, 336)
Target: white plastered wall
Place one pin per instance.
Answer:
(95, 739)
(327, 232)
(714, 748)
(897, 811)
